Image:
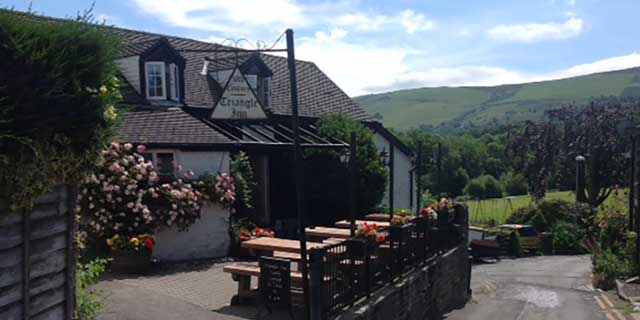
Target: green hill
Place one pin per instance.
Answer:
(454, 108)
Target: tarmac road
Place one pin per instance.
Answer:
(550, 287)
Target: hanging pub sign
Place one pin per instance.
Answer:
(238, 100)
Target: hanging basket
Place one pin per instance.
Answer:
(131, 262)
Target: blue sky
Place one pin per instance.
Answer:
(377, 46)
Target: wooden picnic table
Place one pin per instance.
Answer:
(347, 223)
(267, 244)
(328, 232)
(378, 217)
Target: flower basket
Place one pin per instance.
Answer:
(131, 262)
(399, 232)
(363, 246)
(131, 254)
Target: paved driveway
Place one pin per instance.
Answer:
(553, 287)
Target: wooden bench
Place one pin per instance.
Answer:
(242, 273)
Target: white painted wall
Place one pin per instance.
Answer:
(402, 177)
(208, 237)
(130, 69)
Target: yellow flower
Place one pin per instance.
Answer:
(135, 241)
(110, 242)
(103, 89)
(110, 113)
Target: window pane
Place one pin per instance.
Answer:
(155, 80)
(165, 165)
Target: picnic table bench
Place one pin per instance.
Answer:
(321, 233)
(269, 245)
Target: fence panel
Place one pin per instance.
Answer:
(36, 259)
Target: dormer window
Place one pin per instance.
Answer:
(155, 75)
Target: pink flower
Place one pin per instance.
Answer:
(115, 145)
(141, 148)
(128, 146)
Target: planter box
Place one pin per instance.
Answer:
(131, 262)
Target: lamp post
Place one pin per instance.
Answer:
(387, 160)
(580, 179)
(350, 158)
(418, 182)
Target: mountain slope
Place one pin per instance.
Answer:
(454, 108)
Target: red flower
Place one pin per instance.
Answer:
(148, 243)
(380, 238)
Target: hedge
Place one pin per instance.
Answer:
(58, 87)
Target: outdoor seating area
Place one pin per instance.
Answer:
(344, 265)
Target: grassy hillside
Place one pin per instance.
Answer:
(463, 107)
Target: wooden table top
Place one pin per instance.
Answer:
(328, 232)
(277, 244)
(378, 217)
(347, 223)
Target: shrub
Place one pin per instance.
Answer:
(88, 302)
(608, 266)
(555, 211)
(492, 187)
(485, 186)
(123, 195)
(568, 238)
(514, 184)
(475, 188)
(58, 87)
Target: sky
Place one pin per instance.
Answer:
(379, 46)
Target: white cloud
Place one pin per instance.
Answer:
(408, 19)
(533, 32)
(353, 66)
(471, 75)
(225, 16)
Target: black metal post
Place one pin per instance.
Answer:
(353, 182)
(418, 174)
(632, 182)
(580, 179)
(439, 165)
(297, 169)
(316, 261)
(391, 178)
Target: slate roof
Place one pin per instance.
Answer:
(317, 93)
(167, 127)
(174, 127)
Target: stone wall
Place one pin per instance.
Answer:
(425, 293)
(36, 259)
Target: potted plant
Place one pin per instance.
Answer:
(398, 226)
(131, 254)
(370, 235)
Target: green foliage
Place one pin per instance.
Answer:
(89, 302)
(462, 157)
(58, 86)
(485, 186)
(568, 238)
(242, 172)
(475, 188)
(545, 152)
(611, 266)
(325, 169)
(539, 222)
(555, 211)
(454, 110)
(514, 184)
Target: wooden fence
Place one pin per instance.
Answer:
(37, 279)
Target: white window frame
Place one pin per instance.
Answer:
(164, 80)
(175, 82)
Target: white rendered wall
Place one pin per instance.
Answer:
(208, 237)
(402, 177)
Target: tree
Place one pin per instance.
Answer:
(545, 152)
(329, 192)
